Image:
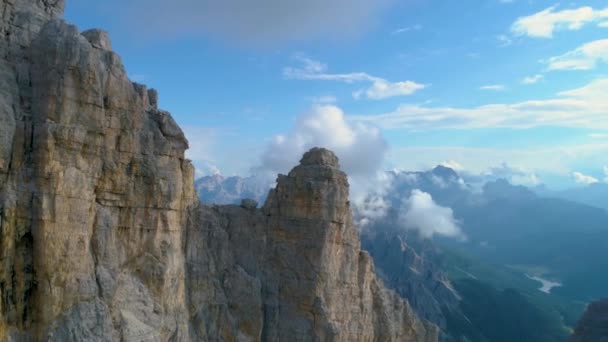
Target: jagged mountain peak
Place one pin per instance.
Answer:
(320, 156)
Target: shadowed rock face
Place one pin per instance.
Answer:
(102, 237)
(593, 326)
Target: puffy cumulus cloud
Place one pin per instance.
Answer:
(422, 214)
(379, 89)
(544, 23)
(584, 107)
(360, 147)
(369, 197)
(264, 22)
(585, 57)
(584, 179)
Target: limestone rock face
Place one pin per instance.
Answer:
(593, 326)
(102, 237)
(94, 190)
(293, 270)
(411, 273)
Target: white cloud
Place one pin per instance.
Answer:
(605, 169)
(603, 24)
(360, 147)
(532, 79)
(379, 89)
(368, 197)
(421, 213)
(584, 107)
(598, 135)
(544, 23)
(407, 29)
(249, 22)
(382, 89)
(585, 57)
(493, 87)
(583, 179)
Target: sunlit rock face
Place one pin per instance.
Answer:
(293, 270)
(102, 237)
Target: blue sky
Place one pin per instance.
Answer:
(388, 84)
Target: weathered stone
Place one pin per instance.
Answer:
(249, 204)
(102, 237)
(98, 38)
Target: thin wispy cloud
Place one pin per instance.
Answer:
(532, 79)
(493, 87)
(504, 40)
(585, 57)
(582, 107)
(544, 23)
(407, 29)
(379, 89)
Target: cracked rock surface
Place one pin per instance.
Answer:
(102, 237)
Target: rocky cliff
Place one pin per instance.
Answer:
(593, 326)
(409, 265)
(102, 237)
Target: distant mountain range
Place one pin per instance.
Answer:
(595, 195)
(217, 189)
